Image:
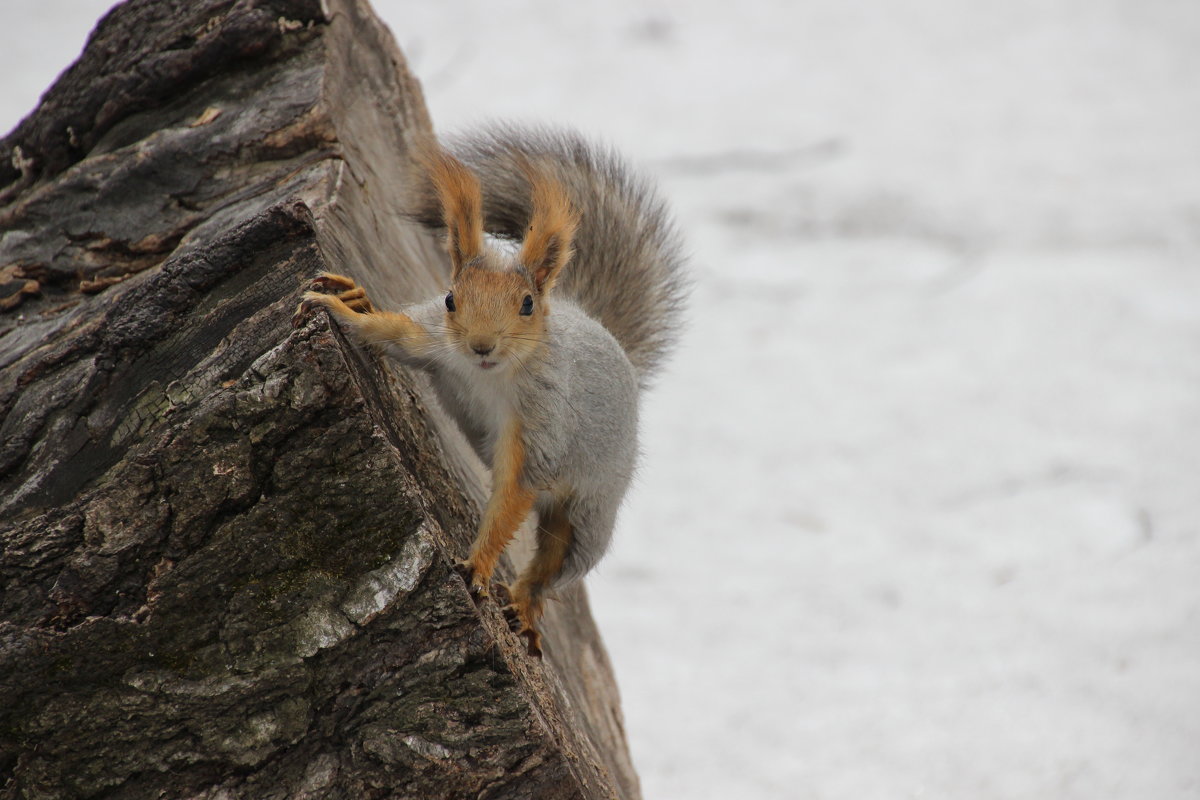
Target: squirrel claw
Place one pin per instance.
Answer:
(301, 313)
(467, 573)
(329, 282)
(535, 641)
(345, 289)
(512, 618)
(322, 290)
(503, 597)
(463, 568)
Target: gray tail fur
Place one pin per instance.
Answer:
(627, 269)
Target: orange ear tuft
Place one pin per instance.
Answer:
(547, 246)
(462, 204)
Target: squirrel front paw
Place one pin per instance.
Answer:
(478, 589)
(311, 300)
(330, 285)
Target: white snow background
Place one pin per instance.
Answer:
(919, 515)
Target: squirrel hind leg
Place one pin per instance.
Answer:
(555, 536)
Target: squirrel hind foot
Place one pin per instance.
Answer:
(522, 613)
(503, 597)
(512, 617)
(515, 614)
(535, 641)
(531, 634)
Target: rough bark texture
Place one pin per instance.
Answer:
(227, 545)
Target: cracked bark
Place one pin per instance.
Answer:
(227, 544)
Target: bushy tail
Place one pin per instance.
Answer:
(627, 269)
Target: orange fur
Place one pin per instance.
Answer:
(547, 246)
(335, 281)
(488, 304)
(462, 205)
(357, 300)
(375, 327)
(508, 506)
(554, 536)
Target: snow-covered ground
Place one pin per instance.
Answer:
(920, 509)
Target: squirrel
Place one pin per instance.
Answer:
(538, 355)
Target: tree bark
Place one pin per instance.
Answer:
(227, 544)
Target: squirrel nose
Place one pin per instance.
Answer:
(482, 348)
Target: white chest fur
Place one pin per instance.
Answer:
(482, 403)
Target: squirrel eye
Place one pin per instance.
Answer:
(450, 301)
(527, 306)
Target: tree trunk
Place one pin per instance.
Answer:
(227, 545)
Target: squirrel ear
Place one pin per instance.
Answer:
(547, 245)
(462, 204)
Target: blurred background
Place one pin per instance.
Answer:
(919, 515)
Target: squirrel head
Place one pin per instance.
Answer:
(498, 301)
